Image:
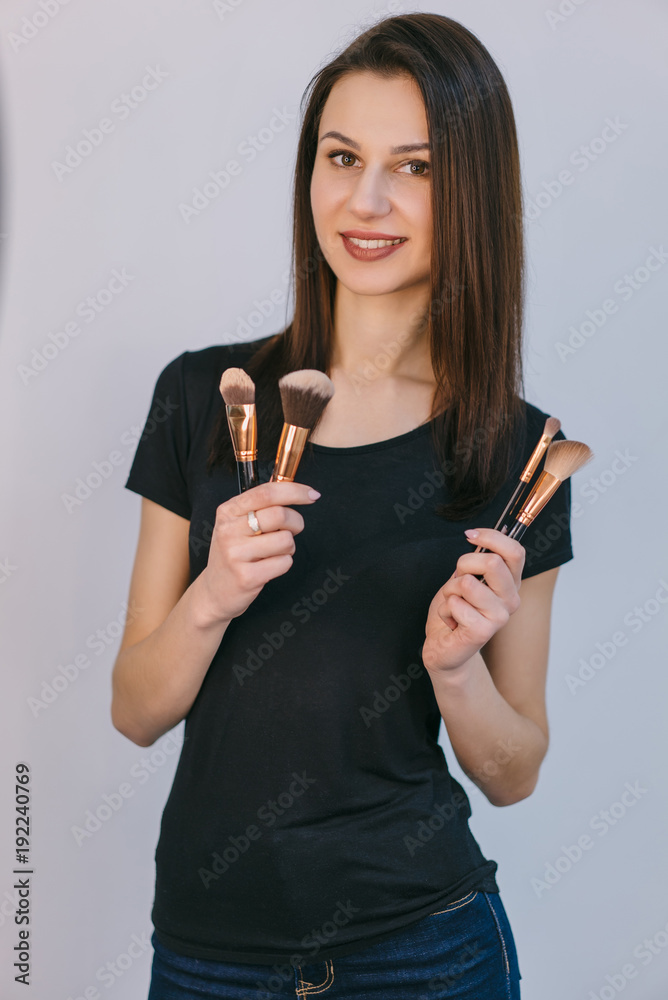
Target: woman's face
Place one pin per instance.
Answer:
(372, 180)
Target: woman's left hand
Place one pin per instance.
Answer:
(465, 613)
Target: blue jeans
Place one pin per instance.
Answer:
(464, 951)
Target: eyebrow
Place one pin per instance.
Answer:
(411, 147)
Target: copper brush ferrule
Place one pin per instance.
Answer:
(242, 422)
(544, 489)
(288, 455)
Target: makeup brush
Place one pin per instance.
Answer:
(562, 459)
(238, 390)
(552, 425)
(304, 393)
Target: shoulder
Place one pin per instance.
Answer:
(193, 375)
(535, 417)
(204, 367)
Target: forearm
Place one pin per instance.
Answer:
(155, 681)
(497, 748)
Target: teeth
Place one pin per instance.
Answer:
(375, 244)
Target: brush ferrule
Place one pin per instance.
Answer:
(289, 452)
(536, 456)
(243, 430)
(546, 486)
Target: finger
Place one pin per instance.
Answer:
(267, 495)
(512, 551)
(259, 573)
(484, 600)
(274, 543)
(463, 614)
(499, 576)
(271, 519)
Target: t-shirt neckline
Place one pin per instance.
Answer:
(393, 442)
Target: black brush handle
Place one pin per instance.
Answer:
(518, 530)
(247, 474)
(506, 519)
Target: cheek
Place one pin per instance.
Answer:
(322, 196)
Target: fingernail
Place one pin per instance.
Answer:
(471, 532)
(313, 494)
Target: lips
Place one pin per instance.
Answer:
(365, 254)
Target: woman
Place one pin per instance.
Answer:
(314, 841)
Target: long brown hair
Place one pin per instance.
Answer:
(475, 312)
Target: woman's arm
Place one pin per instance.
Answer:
(486, 651)
(493, 705)
(168, 642)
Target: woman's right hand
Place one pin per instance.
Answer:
(240, 562)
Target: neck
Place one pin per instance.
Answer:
(384, 332)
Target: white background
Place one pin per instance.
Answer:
(65, 573)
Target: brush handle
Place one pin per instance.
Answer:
(247, 475)
(502, 524)
(518, 529)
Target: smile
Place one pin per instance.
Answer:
(370, 250)
(374, 244)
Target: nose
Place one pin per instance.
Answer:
(368, 197)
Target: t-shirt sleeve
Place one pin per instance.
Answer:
(159, 466)
(548, 540)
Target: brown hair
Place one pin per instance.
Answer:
(475, 312)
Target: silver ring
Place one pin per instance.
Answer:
(253, 522)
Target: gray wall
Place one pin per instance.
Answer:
(218, 77)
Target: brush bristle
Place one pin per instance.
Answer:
(552, 425)
(563, 458)
(305, 394)
(237, 387)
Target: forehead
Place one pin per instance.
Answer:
(367, 106)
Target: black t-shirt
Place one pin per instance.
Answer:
(312, 811)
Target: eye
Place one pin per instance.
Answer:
(350, 156)
(423, 167)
